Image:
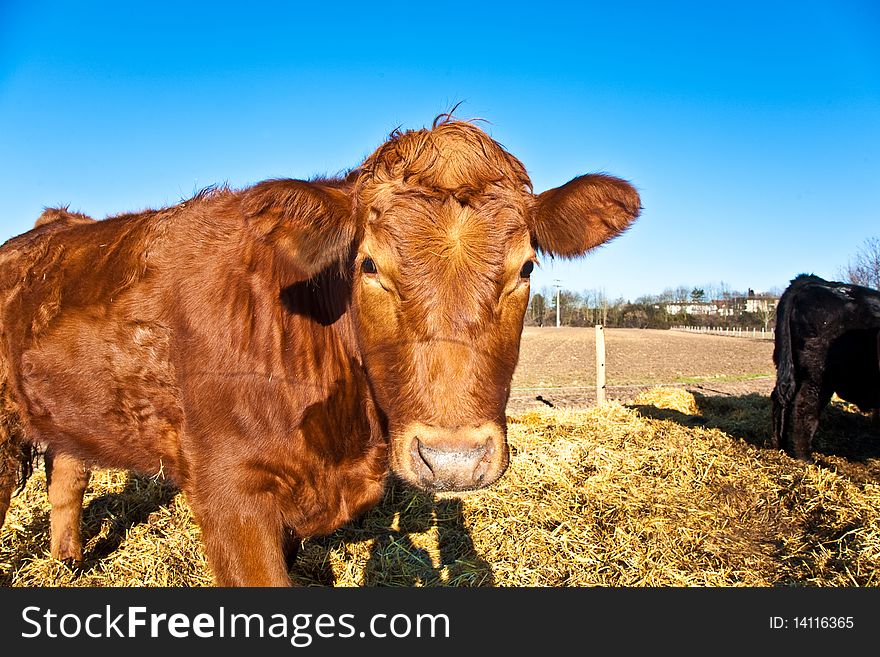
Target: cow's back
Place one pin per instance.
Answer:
(833, 338)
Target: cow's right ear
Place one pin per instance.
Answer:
(311, 223)
(583, 213)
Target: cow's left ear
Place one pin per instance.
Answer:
(583, 213)
(310, 223)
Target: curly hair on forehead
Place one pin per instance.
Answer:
(454, 156)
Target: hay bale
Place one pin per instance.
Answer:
(674, 399)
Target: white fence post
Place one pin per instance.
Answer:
(600, 364)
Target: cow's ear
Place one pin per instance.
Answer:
(583, 213)
(309, 223)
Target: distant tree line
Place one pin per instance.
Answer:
(710, 305)
(673, 306)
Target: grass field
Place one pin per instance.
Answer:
(566, 356)
(559, 364)
(666, 485)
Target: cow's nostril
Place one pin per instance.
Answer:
(485, 463)
(420, 463)
(424, 455)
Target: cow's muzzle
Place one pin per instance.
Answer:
(452, 459)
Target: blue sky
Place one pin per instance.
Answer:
(752, 130)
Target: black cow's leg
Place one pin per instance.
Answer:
(806, 408)
(781, 410)
(67, 478)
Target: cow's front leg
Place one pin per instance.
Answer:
(807, 406)
(243, 536)
(67, 478)
(781, 413)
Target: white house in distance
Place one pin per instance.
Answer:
(734, 305)
(760, 303)
(693, 308)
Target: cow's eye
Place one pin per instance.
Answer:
(369, 267)
(526, 270)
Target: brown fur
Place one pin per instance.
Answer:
(240, 344)
(62, 216)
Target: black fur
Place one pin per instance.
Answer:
(827, 341)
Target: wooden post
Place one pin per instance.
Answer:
(600, 364)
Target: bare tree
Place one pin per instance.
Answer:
(596, 303)
(864, 269)
(568, 306)
(538, 308)
(766, 311)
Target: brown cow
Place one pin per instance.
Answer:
(272, 350)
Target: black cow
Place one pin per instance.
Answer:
(827, 341)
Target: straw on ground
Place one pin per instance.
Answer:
(672, 490)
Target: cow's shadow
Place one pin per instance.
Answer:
(106, 520)
(32, 539)
(415, 540)
(843, 431)
(746, 417)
